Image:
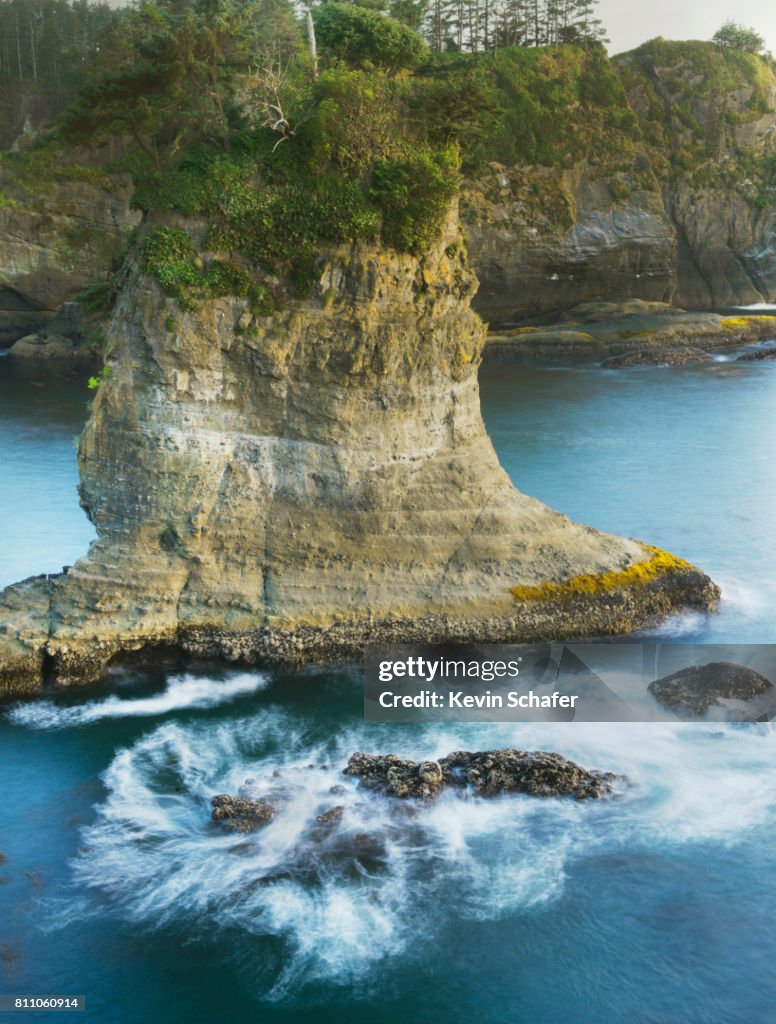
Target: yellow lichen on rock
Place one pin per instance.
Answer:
(638, 574)
(733, 323)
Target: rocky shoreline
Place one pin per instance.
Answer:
(32, 654)
(633, 333)
(614, 334)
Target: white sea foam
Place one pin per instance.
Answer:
(182, 692)
(679, 626)
(347, 899)
(742, 597)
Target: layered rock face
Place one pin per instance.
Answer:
(53, 243)
(293, 485)
(544, 239)
(718, 136)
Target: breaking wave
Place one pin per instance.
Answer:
(182, 692)
(344, 900)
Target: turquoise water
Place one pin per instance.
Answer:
(654, 908)
(42, 412)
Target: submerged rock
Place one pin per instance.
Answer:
(238, 814)
(697, 688)
(490, 773)
(330, 817)
(538, 773)
(394, 776)
(679, 356)
(757, 354)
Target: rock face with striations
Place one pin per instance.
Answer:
(52, 244)
(290, 486)
(544, 239)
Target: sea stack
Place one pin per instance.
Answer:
(290, 483)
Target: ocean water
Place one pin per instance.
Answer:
(655, 907)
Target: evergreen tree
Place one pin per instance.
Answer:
(739, 37)
(489, 24)
(176, 69)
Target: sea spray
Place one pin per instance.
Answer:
(182, 693)
(346, 900)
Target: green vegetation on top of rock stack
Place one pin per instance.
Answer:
(650, 176)
(282, 157)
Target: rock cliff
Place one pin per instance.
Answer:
(290, 486)
(57, 234)
(670, 197)
(544, 239)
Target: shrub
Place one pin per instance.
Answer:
(356, 121)
(362, 37)
(222, 279)
(414, 195)
(170, 257)
(739, 37)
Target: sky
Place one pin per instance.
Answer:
(630, 23)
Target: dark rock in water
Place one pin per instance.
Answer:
(330, 817)
(699, 687)
(392, 775)
(489, 773)
(756, 355)
(657, 356)
(237, 814)
(492, 772)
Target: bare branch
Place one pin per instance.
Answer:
(270, 77)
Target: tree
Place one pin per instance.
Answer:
(477, 25)
(739, 37)
(181, 63)
(409, 12)
(360, 36)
